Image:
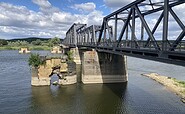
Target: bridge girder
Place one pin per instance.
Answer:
(119, 31)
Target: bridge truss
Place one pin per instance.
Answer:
(141, 28)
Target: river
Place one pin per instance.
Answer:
(140, 95)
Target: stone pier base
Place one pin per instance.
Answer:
(68, 80)
(103, 68)
(41, 76)
(40, 81)
(87, 79)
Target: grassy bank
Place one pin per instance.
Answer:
(30, 47)
(180, 83)
(39, 48)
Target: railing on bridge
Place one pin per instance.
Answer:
(130, 30)
(133, 45)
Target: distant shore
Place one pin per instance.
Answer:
(176, 86)
(30, 47)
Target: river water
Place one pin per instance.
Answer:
(140, 95)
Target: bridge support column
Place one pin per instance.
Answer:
(76, 55)
(40, 77)
(66, 72)
(103, 68)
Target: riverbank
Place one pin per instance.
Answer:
(176, 86)
(30, 47)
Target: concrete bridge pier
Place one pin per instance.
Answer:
(76, 55)
(100, 67)
(66, 72)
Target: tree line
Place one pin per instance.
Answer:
(30, 41)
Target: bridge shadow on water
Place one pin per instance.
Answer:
(133, 97)
(78, 98)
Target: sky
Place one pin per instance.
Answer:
(52, 18)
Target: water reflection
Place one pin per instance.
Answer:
(93, 98)
(139, 95)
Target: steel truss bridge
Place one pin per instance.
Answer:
(131, 31)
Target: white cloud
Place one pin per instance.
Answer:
(174, 29)
(85, 7)
(49, 21)
(117, 3)
(19, 21)
(45, 6)
(42, 3)
(63, 18)
(95, 18)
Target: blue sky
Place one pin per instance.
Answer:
(64, 5)
(48, 18)
(52, 18)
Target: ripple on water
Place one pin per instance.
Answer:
(139, 95)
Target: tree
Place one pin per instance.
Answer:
(3, 42)
(54, 41)
(23, 43)
(18, 43)
(37, 42)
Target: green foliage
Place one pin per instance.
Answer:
(9, 48)
(29, 40)
(31, 43)
(39, 48)
(54, 41)
(18, 43)
(70, 56)
(181, 83)
(37, 42)
(3, 42)
(35, 60)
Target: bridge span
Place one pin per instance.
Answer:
(144, 28)
(139, 29)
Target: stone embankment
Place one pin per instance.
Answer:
(171, 83)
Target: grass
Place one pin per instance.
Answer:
(180, 83)
(9, 48)
(39, 48)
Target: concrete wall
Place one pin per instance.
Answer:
(96, 68)
(103, 68)
(68, 80)
(76, 55)
(41, 75)
(56, 49)
(24, 50)
(37, 80)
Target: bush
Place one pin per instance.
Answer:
(3, 42)
(35, 60)
(54, 41)
(70, 56)
(37, 42)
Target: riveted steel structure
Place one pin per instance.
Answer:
(88, 35)
(71, 34)
(135, 31)
(79, 34)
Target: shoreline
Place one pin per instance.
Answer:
(171, 83)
